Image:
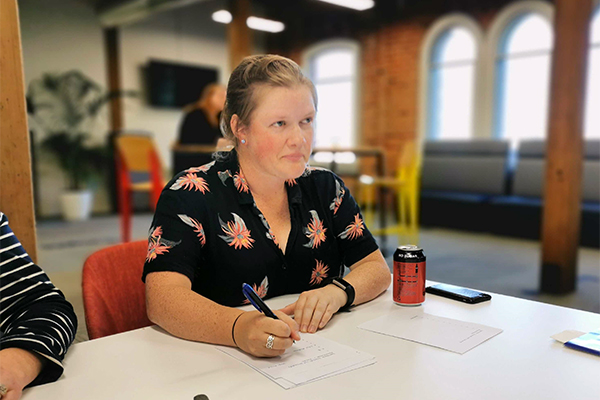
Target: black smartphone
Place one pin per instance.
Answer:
(458, 293)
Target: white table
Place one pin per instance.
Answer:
(523, 362)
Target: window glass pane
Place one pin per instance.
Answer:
(334, 64)
(532, 32)
(526, 98)
(524, 73)
(456, 99)
(459, 45)
(334, 118)
(591, 127)
(451, 80)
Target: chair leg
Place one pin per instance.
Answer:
(125, 211)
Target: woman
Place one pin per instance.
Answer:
(200, 124)
(259, 215)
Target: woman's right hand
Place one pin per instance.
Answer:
(253, 329)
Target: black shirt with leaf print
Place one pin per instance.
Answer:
(208, 228)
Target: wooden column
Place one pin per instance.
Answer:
(239, 36)
(111, 42)
(16, 191)
(562, 193)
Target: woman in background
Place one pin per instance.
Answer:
(200, 124)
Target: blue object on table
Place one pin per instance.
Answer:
(256, 301)
(590, 342)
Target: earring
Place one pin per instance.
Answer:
(243, 141)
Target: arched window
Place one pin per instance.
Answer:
(333, 68)
(451, 85)
(522, 78)
(591, 127)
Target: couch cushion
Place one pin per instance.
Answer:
(465, 166)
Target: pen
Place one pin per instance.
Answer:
(256, 301)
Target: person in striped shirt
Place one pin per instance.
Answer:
(37, 323)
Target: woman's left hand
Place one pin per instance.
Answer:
(314, 308)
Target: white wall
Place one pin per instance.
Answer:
(61, 35)
(187, 35)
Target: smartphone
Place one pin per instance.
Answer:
(458, 293)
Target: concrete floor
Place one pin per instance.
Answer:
(485, 262)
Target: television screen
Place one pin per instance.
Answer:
(176, 85)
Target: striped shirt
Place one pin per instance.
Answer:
(34, 314)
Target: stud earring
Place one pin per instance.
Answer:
(243, 141)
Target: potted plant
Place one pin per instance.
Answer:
(81, 163)
(64, 108)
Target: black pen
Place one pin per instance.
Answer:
(256, 301)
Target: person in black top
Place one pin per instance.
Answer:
(200, 124)
(37, 323)
(258, 214)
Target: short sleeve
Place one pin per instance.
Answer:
(176, 237)
(355, 242)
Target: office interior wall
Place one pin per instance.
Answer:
(390, 67)
(59, 36)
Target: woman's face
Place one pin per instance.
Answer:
(217, 99)
(279, 137)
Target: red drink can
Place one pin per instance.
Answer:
(409, 276)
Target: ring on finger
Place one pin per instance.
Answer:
(270, 341)
(3, 390)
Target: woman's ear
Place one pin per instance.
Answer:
(237, 128)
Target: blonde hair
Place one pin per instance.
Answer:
(251, 73)
(203, 100)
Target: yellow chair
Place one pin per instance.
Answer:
(405, 185)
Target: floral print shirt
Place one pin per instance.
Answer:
(208, 228)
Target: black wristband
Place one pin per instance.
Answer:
(346, 287)
(232, 329)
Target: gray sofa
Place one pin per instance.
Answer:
(481, 186)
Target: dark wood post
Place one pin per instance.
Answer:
(239, 36)
(564, 155)
(113, 63)
(16, 190)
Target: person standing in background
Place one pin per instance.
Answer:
(37, 323)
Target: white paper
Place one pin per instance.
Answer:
(308, 360)
(445, 333)
(565, 336)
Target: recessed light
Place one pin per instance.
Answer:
(360, 5)
(261, 24)
(222, 16)
(267, 25)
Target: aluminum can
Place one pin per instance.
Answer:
(409, 276)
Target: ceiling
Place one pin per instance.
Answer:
(309, 20)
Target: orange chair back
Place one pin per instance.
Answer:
(113, 291)
(135, 151)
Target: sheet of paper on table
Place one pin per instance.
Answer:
(308, 360)
(445, 333)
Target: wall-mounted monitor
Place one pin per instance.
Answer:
(176, 85)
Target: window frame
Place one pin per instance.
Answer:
(434, 33)
(308, 59)
(504, 22)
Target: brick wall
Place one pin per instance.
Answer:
(390, 81)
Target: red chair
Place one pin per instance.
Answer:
(136, 154)
(113, 292)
